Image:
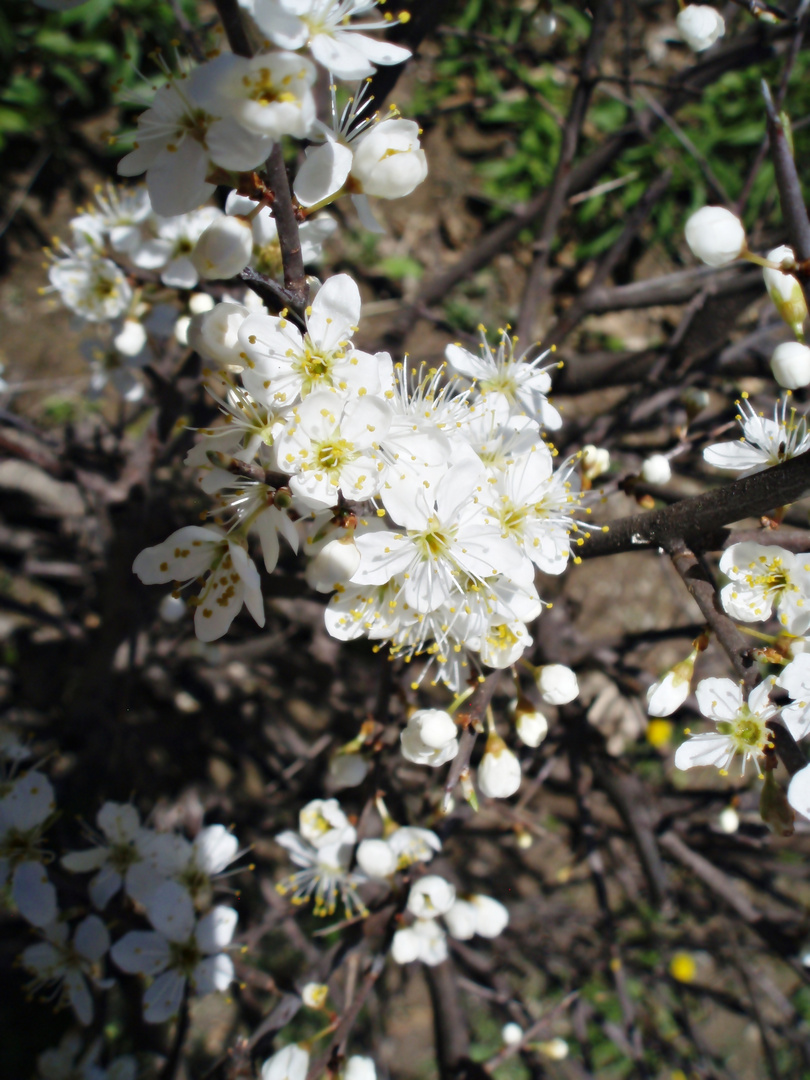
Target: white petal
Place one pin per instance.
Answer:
(164, 997)
(323, 173)
(709, 749)
(719, 699)
(213, 973)
(34, 894)
(118, 821)
(80, 997)
(141, 952)
(91, 939)
(171, 912)
(799, 792)
(215, 930)
(215, 848)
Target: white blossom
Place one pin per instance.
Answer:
(268, 95)
(425, 940)
(25, 812)
(324, 27)
(430, 738)
(67, 964)
(224, 249)
(762, 578)
(179, 951)
(741, 726)
(764, 442)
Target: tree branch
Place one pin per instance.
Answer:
(698, 520)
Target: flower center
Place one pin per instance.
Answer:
(184, 956)
(434, 541)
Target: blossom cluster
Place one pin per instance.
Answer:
(334, 865)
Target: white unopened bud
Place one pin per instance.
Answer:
(511, 1034)
(594, 461)
(215, 334)
(314, 995)
(291, 1063)
(200, 302)
(405, 946)
(700, 26)
(333, 565)
(499, 771)
(131, 338)
(461, 920)
(430, 738)
(790, 364)
(360, 1068)
(556, 1049)
(798, 792)
(224, 249)
(728, 820)
(785, 291)
(375, 858)
(557, 684)
(530, 724)
(715, 235)
(431, 896)
(172, 608)
(694, 401)
(670, 692)
(388, 161)
(347, 770)
(656, 469)
(491, 917)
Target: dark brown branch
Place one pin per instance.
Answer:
(787, 181)
(703, 591)
(787, 749)
(537, 284)
(677, 288)
(449, 1022)
(699, 519)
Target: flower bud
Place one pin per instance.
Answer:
(545, 24)
(224, 249)
(774, 807)
(359, 1068)
(593, 461)
(215, 334)
(530, 724)
(172, 608)
(669, 693)
(700, 26)
(375, 858)
(499, 771)
(333, 565)
(511, 1034)
(131, 338)
(388, 161)
(785, 291)
(715, 235)
(461, 920)
(728, 820)
(491, 917)
(430, 738)
(790, 364)
(798, 792)
(431, 896)
(555, 1049)
(314, 995)
(656, 469)
(557, 684)
(347, 770)
(405, 946)
(291, 1063)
